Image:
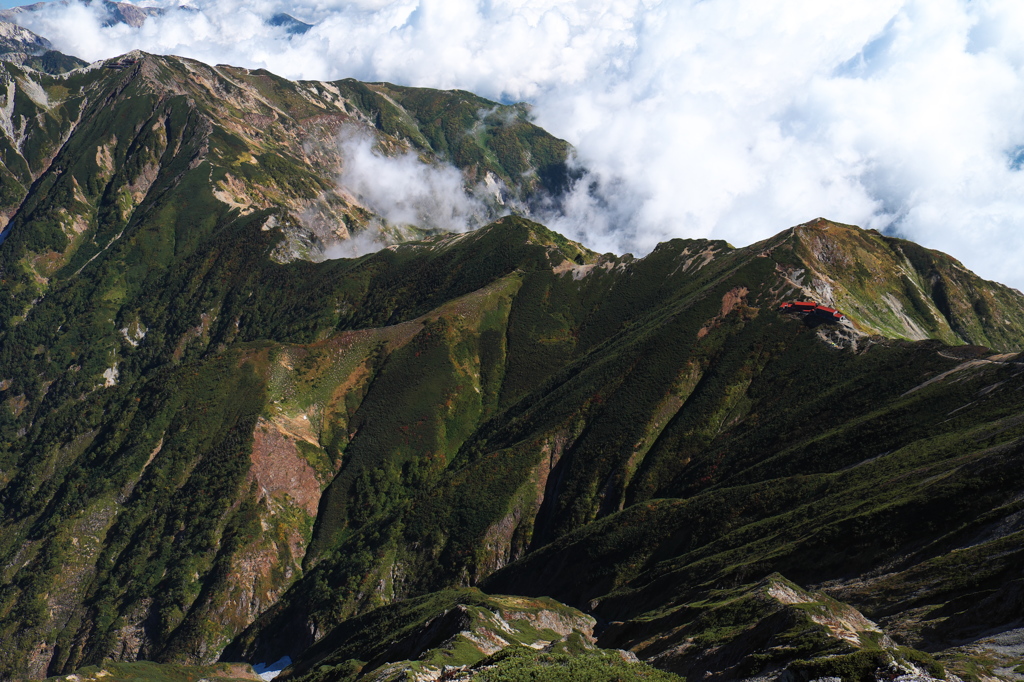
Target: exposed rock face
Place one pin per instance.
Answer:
(14, 38)
(843, 622)
(731, 299)
(23, 47)
(280, 471)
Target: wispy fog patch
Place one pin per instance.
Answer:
(728, 119)
(358, 245)
(404, 190)
(598, 211)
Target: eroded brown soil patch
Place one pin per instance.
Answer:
(278, 468)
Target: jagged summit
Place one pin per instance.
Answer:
(23, 47)
(14, 38)
(289, 23)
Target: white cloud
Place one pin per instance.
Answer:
(714, 118)
(403, 190)
(358, 245)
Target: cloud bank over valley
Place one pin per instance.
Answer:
(726, 119)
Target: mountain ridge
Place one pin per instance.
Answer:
(216, 445)
(552, 263)
(581, 601)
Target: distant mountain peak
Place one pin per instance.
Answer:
(116, 12)
(135, 15)
(15, 38)
(25, 48)
(292, 25)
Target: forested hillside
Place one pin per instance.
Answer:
(481, 455)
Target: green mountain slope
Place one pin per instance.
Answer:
(123, 252)
(262, 143)
(152, 471)
(466, 635)
(897, 288)
(211, 449)
(730, 436)
(429, 434)
(467, 631)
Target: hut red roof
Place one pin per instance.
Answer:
(811, 307)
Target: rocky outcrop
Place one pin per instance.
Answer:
(449, 633)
